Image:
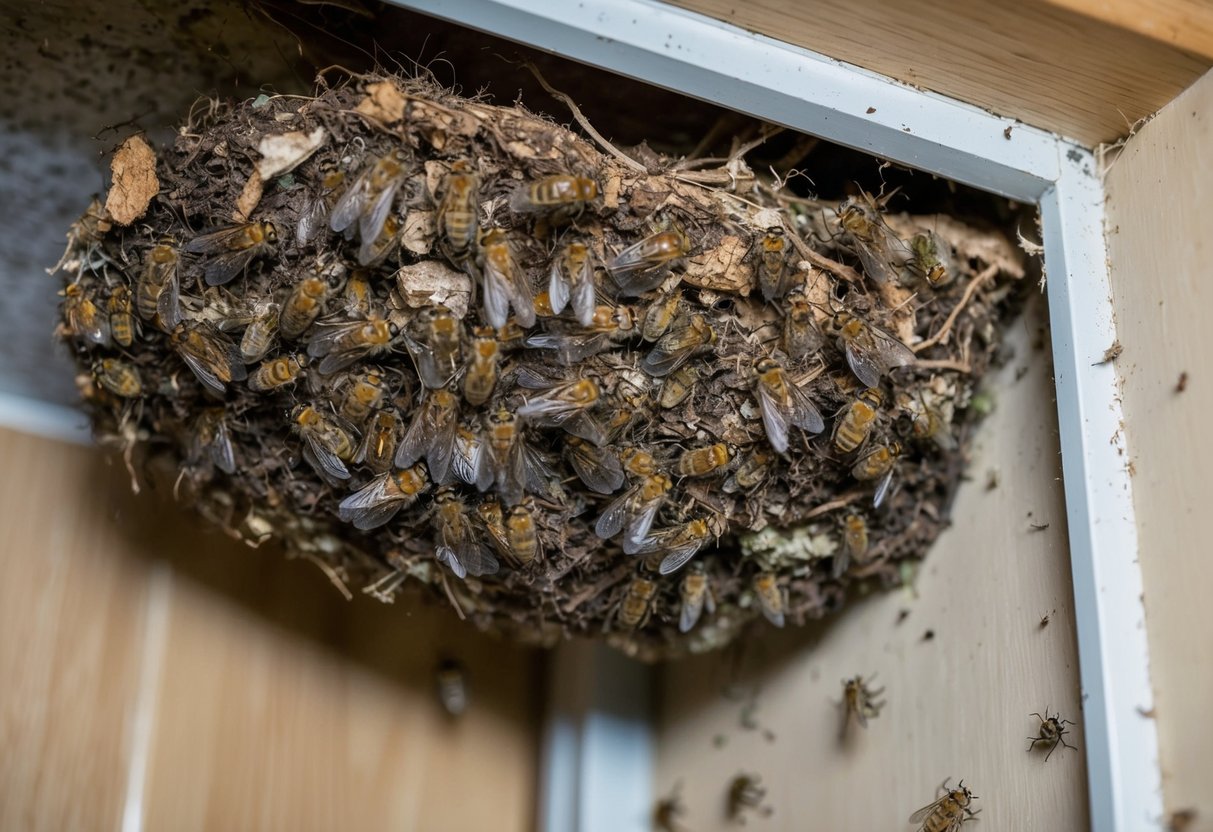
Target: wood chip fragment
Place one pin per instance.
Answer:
(383, 102)
(134, 181)
(249, 197)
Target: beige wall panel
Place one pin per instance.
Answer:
(71, 608)
(1159, 210)
(958, 704)
(1046, 66)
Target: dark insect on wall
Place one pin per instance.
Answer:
(420, 338)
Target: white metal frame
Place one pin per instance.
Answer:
(708, 59)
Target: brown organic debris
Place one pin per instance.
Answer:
(134, 182)
(337, 367)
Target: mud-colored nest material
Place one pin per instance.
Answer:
(335, 321)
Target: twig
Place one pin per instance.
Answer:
(970, 290)
(819, 260)
(451, 597)
(333, 577)
(842, 502)
(943, 364)
(584, 122)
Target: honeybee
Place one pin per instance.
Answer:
(931, 259)
(750, 473)
(745, 793)
(505, 284)
(660, 316)
(212, 439)
(859, 702)
(871, 352)
(678, 386)
(364, 393)
(572, 279)
(773, 264)
(379, 500)
(84, 319)
(432, 435)
(483, 365)
(639, 267)
(303, 306)
(508, 455)
(379, 443)
(210, 355)
(929, 424)
(856, 424)
(638, 462)
(434, 340)
(609, 325)
(854, 544)
(457, 218)
(259, 334)
(493, 519)
(696, 593)
(668, 812)
(558, 194)
(948, 812)
(328, 441)
(357, 298)
(801, 337)
(700, 462)
(456, 545)
(637, 603)
(470, 462)
(374, 250)
(118, 377)
(340, 345)
(120, 318)
(783, 404)
(522, 536)
(770, 597)
(678, 544)
(634, 511)
(158, 292)
(278, 372)
(878, 464)
(563, 404)
(452, 687)
(688, 336)
(229, 251)
(880, 250)
(1051, 734)
(315, 215)
(87, 232)
(368, 201)
(598, 468)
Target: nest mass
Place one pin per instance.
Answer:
(419, 338)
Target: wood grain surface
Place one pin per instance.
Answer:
(1048, 66)
(1158, 214)
(153, 668)
(958, 701)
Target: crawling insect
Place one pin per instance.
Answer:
(667, 814)
(1052, 733)
(746, 793)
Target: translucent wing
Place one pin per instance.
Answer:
(322, 459)
(678, 556)
(168, 303)
(882, 488)
(496, 296)
(585, 298)
(689, 616)
(223, 267)
(864, 362)
(468, 463)
(776, 417)
(639, 526)
(372, 505)
(892, 352)
(601, 472)
(412, 446)
(476, 559)
(925, 811)
(349, 207)
(311, 221)
(372, 220)
(446, 555)
(804, 414)
(222, 453)
(441, 449)
(615, 516)
(558, 288)
(875, 265)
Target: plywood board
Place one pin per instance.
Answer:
(153, 670)
(1158, 215)
(1050, 67)
(958, 702)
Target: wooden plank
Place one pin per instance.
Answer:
(1184, 24)
(1158, 217)
(1044, 65)
(71, 604)
(958, 703)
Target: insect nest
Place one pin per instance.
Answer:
(425, 340)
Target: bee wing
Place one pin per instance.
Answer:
(776, 617)
(311, 221)
(441, 449)
(349, 207)
(372, 505)
(496, 295)
(322, 459)
(416, 439)
(678, 556)
(776, 417)
(446, 555)
(214, 243)
(634, 283)
(558, 288)
(468, 462)
(925, 811)
(882, 489)
(586, 426)
(95, 330)
(639, 526)
(202, 369)
(804, 414)
(892, 352)
(944, 439)
(615, 516)
(601, 471)
(168, 303)
(689, 616)
(373, 219)
(570, 348)
(630, 259)
(663, 360)
(476, 559)
(222, 454)
(864, 363)
(585, 298)
(874, 263)
(537, 468)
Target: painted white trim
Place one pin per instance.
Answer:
(53, 421)
(708, 59)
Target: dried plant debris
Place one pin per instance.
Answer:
(455, 344)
